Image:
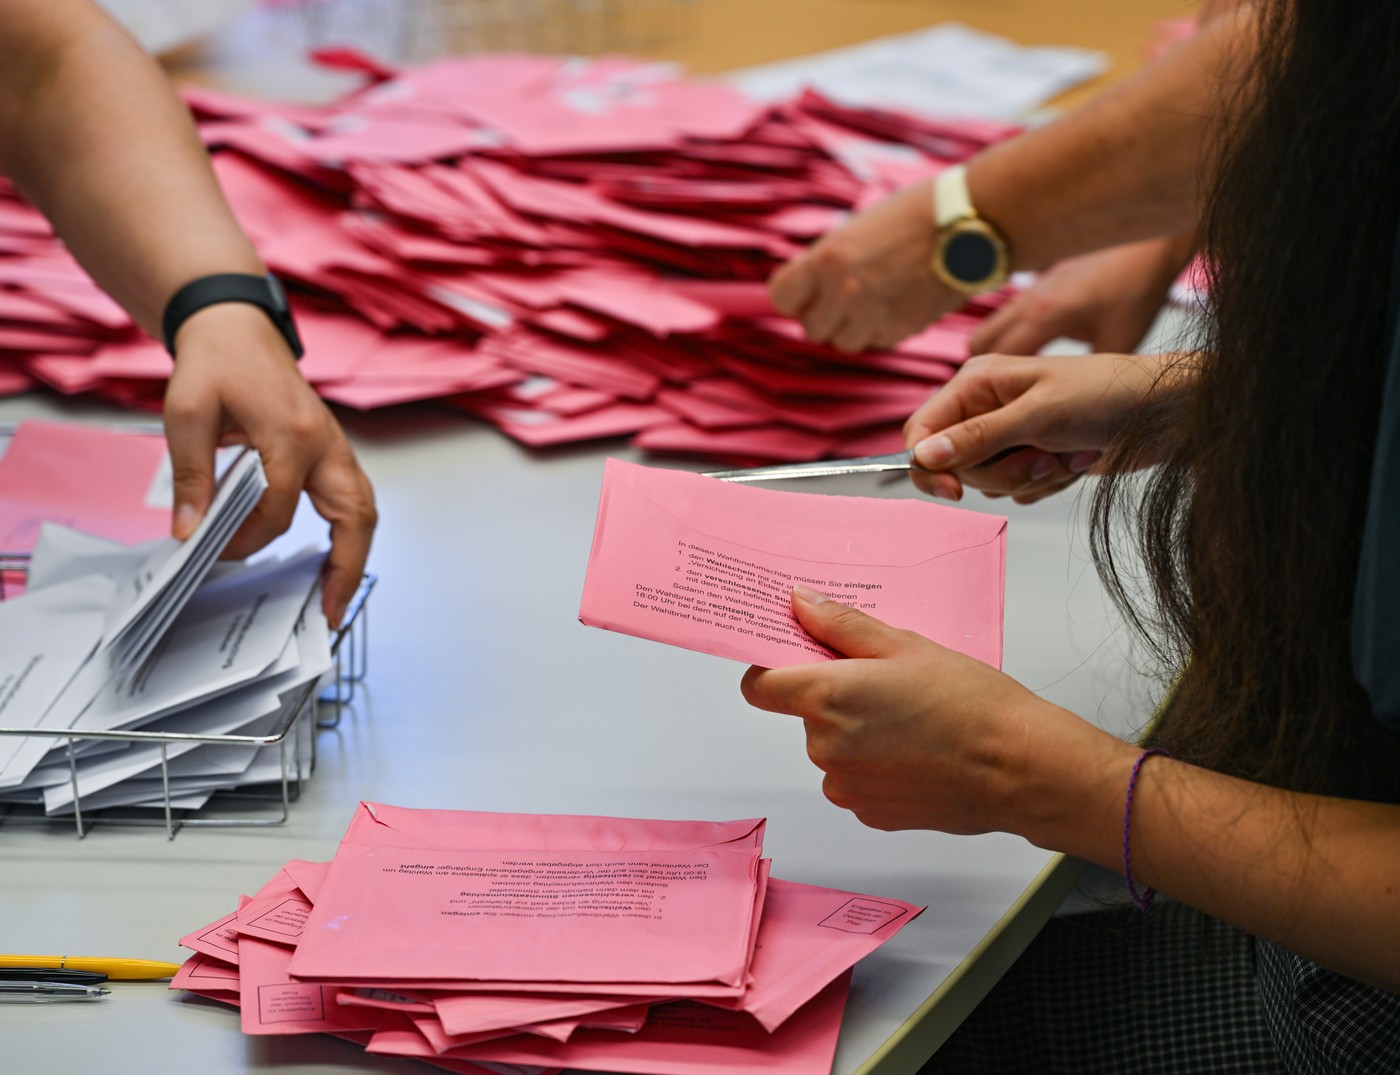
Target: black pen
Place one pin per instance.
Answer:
(43, 974)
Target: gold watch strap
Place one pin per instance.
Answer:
(950, 198)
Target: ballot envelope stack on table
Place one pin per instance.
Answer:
(154, 637)
(474, 940)
(568, 249)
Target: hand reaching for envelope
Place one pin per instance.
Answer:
(1059, 411)
(868, 284)
(912, 735)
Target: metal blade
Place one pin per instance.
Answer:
(825, 468)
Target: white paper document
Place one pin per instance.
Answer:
(159, 638)
(946, 70)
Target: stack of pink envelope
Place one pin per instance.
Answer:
(565, 248)
(549, 941)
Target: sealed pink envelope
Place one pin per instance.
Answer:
(807, 938)
(404, 826)
(690, 1039)
(709, 566)
(530, 916)
(270, 1002)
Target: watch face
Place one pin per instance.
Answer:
(970, 257)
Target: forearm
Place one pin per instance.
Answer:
(1318, 876)
(1133, 163)
(93, 134)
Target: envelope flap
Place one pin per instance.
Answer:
(809, 526)
(399, 826)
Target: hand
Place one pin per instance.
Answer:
(868, 283)
(912, 735)
(1108, 299)
(236, 382)
(1051, 416)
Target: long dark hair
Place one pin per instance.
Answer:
(1249, 531)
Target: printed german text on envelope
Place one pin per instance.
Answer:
(709, 566)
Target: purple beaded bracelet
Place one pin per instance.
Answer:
(1142, 899)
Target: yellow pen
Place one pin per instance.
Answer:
(114, 969)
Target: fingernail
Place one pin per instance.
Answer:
(933, 451)
(186, 519)
(1044, 467)
(1079, 462)
(809, 595)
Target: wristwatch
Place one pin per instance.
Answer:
(262, 291)
(969, 254)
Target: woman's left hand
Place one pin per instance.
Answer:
(912, 735)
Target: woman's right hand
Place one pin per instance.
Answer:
(1025, 427)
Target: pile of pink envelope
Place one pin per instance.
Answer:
(565, 248)
(547, 941)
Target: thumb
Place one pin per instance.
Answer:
(793, 286)
(192, 439)
(974, 441)
(848, 631)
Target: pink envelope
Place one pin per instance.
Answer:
(383, 825)
(632, 916)
(276, 913)
(691, 1039)
(271, 1002)
(90, 478)
(203, 973)
(218, 940)
(470, 1013)
(777, 443)
(709, 566)
(807, 938)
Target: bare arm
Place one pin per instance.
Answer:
(92, 133)
(1131, 164)
(912, 735)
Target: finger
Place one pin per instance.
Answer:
(192, 433)
(345, 565)
(342, 495)
(852, 338)
(973, 441)
(1054, 487)
(847, 630)
(794, 286)
(823, 320)
(781, 690)
(993, 327)
(1013, 474)
(942, 484)
(1082, 462)
(272, 515)
(1027, 337)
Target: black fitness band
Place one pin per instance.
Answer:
(262, 291)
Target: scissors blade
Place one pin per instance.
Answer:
(825, 468)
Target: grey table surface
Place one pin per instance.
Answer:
(484, 692)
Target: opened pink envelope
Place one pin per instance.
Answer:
(522, 915)
(708, 565)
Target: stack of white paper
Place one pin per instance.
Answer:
(155, 637)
